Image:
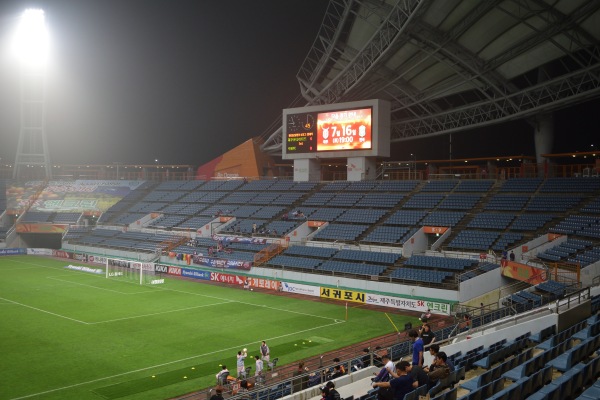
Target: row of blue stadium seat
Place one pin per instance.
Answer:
(387, 234)
(456, 264)
(419, 275)
(341, 232)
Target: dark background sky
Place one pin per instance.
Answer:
(184, 81)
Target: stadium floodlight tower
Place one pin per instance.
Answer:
(31, 48)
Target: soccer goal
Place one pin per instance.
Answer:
(133, 271)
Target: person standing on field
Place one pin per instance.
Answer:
(241, 368)
(265, 354)
(258, 374)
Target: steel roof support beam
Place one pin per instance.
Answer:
(403, 12)
(565, 90)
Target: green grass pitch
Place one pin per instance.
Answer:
(74, 335)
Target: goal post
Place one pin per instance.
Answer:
(142, 273)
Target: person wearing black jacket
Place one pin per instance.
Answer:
(332, 394)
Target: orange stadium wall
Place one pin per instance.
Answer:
(244, 161)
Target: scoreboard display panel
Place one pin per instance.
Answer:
(329, 131)
(301, 133)
(316, 131)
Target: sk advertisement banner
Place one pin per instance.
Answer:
(408, 304)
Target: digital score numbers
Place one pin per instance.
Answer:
(329, 131)
(301, 133)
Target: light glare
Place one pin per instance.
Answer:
(32, 41)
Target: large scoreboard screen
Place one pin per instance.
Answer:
(329, 131)
(333, 128)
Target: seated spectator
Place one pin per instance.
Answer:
(218, 393)
(332, 394)
(439, 369)
(243, 390)
(222, 375)
(314, 379)
(418, 374)
(337, 372)
(386, 372)
(342, 368)
(434, 350)
(401, 385)
(366, 358)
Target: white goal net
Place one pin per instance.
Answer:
(133, 271)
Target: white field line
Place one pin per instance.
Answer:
(159, 288)
(44, 311)
(157, 313)
(97, 287)
(172, 362)
(335, 322)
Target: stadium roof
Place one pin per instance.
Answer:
(453, 65)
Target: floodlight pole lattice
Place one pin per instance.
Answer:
(32, 148)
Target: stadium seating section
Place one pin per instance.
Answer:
(484, 215)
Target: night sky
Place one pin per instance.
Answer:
(185, 81)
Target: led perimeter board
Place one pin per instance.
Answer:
(355, 129)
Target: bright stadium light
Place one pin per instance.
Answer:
(31, 48)
(32, 41)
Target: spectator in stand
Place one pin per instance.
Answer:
(337, 372)
(439, 369)
(342, 368)
(366, 358)
(418, 374)
(324, 392)
(466, 324)
(401, 385)
(434, 350)
(218, 393)
(300, 383)
(427, 335)
(332, 394)
(512, 256)
(243, 390)
(417, 357)
(387, 371)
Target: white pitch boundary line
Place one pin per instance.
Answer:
(157, 313)
(97, 287)
(199, 294)
(250, 304)
(44, 311)
(170, 362)
(116, 319)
